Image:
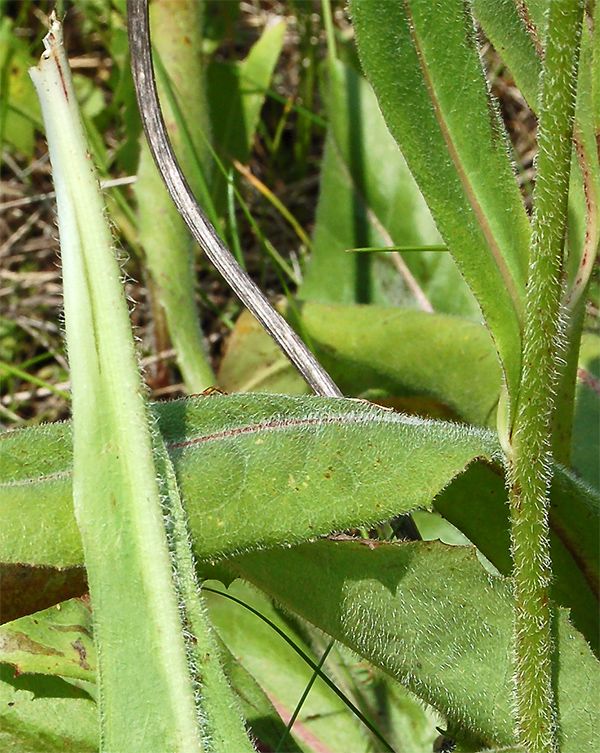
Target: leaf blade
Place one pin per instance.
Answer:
(419, 99)
(431, 616)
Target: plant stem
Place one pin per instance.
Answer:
(224, 261)
(530, 460)
(328, 23)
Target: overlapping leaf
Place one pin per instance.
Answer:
(443, 364)
(368, 198)
(426, 72)
(265, 470)
(432, 617)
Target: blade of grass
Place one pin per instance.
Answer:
(233, 226)
(401, 249)
(270, 196)
(303, 697)
(15, 371)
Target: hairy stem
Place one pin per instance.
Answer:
(530, 452)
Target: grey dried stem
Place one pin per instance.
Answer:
(202, 230)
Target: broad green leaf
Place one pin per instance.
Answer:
(432, 617)
(395, 352)
(431, 77)
(41, 714)
(57, 641)
(301, 466)
(368, 197)
(408, 727)
(260, 470)
(262, 718)
(407, 352)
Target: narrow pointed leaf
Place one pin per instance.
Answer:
(146, 691)
(432, 76)
(167, 244)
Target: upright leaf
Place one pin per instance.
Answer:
(236, 95)
(368, 198)
(168, 247)
(433, 94)
(146, 669)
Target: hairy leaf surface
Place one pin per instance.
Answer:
(431, 616)
(432, 75)
(260, 470)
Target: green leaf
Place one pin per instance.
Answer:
(432, 617)
(236, 96)
(362, 464)
(431, 77)
(167, 245)
(57, 641)
(304, 467)
(147, 664)
(324, 716)
(397, 352)
(586, 428)
(368, 197)
(41, 714)
(407, 352)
